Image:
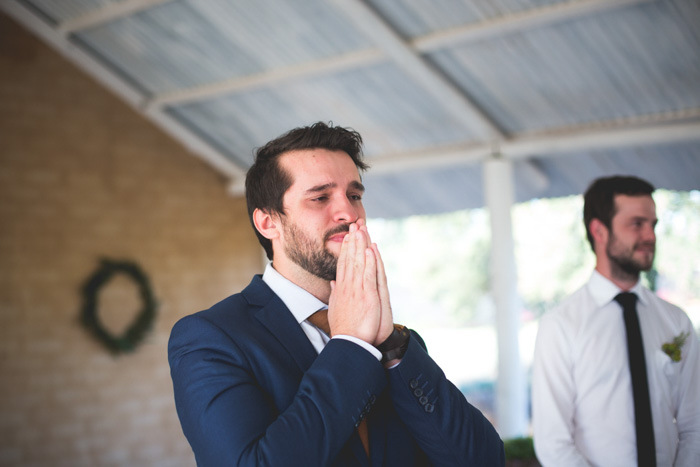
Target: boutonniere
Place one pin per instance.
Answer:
(673, 348)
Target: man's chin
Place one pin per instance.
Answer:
(333, 249)
(326, 272)
(645, 261)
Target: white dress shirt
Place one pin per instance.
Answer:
(302, 305)
(582, 400)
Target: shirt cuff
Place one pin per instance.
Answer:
(368, 347)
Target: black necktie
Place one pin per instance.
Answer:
(646, 452)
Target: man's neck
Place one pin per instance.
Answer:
(316, 286)
(621, 279)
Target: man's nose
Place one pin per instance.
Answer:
(345, 211)
(649, 234)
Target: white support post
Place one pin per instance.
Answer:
(511, 398)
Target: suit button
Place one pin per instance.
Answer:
(418, 392)
(429, 408)
(423, 400)
(413, 384)
(372, 399)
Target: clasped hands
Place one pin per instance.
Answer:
(359, 302)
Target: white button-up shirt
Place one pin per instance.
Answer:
(302, 305)
(582, 399)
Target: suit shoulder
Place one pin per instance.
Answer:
(233, 305)
(255, 295)
(238, 308)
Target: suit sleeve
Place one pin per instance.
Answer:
(230, 420)
(446, 427)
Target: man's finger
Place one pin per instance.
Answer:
(370, 274)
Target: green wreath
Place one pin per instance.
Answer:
(135, 333)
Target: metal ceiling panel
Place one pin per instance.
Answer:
(416, 18)
(183, 44)
(417, 192)
(63, 10)
(674, 166)
(627, 63)
(392, 113)
(431, 191)
(599, 87)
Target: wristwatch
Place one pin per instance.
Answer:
(394, 347)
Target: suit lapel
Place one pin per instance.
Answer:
(276, 317)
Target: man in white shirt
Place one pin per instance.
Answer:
(583, 397)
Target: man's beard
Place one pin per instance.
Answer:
(622, 261)
(312, 257)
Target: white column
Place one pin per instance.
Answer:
(511, 398)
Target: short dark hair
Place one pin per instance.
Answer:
(599, 199)
(266, 182)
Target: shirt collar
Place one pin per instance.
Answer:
(603, 290)
(300, 302)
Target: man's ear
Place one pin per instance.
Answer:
(268, 224)
(599, 232)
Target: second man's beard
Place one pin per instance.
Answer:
(625, 265)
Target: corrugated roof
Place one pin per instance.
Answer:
(568, 90)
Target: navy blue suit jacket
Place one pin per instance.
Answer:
(251, 390)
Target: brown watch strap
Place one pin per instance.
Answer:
(394, 347)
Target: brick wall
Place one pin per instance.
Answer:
(82, 176)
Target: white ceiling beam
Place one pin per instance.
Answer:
(304, 70)
(128, 94)
(545, 145)
(106, 13)
(517, 22)
(449, 96)
(590, 140)
(429, 158)
(431, 42)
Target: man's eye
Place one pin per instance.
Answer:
(356, 197)
(320, 198)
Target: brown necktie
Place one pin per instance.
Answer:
(320, 320)
(646, 452)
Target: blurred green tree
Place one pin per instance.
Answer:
(444, 259)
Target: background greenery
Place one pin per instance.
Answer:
(438, 265)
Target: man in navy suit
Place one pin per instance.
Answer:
(305, 367)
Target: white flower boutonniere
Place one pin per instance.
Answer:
(673, 348)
